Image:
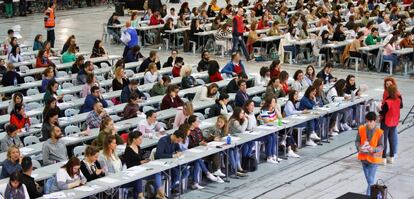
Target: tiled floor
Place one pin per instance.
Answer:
(324, 172)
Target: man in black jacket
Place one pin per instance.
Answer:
(232, 87)
(28, 180)
(153, 57)
(203, 65)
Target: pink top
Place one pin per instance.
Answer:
(86, 90)
(179, 118)
(389, 49)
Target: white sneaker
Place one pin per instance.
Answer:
(211, 177)
(384, 161)
(346, 127)
(219, 173)
(314, 136)
(292, 154)
(270, 160)
(310, 142)
(333, 134)
(390, 160)
(335, 129)
(277, 159)
(219, 180)
(197, 186)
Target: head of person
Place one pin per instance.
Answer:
(223, 98)
(392, 92)
(235, 57)
(238, 114)
(133, 99)
(15, 180)
(310, 71)
(19, 109)
(56, 133)
(12, 130)
(136, 49)
(253, 25)
(388, 81)
(172, 90)
(178, 136)
(222, 123)
(328, 69)
(10, 33)
(269, 103)
(71, 40)
(318, 83)
(310, 92)
(242, 85)
(53, 86)
(248, 106)
(350, 80)
(193, 121)
(95, 91)
(128, 24)
(13, 41)
(213, 67)
(298, 76)
(135, 138)
(387, 19)
(80, 60)
(371, 120)
(13, 153)
(151, 116)
(18, 98)
(274, 82)
(133, 85)
(49, 73)
(275, 65)
(283, 77)
(186, 71)
(72, 167)
(153, 55)
(188, 108)
(360, 36)
(98, 44)
(264, 72)
(293, 96)
(90, 78)
(107, 125)
(10, 67)
(91, 154)
(179, 61)
(205, 55)
(340, 87)
(119, 72)
(374, 32)
(109, 145)
(212, 90)
(166, 80)
(98, 107)
(174, 53)
(27, 165)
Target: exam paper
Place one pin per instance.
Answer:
(59, 194)
(84, 188)
(215, 143)
(26, 150)
(158, 163)
(108, 180)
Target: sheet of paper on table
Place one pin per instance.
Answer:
(158, 163)
(215, 143)
(84, 188)
(59, 194)
(108, 180)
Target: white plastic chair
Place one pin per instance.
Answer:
(28, 79)
(34, 120)
(129, 73)
(36, 164)
(33, 105)
(206, 112)
(70, 112)
(32, 91)
(62, 74)
(200, 116)
(70, 130)
(147, 108)
(79, 151)
(67, 85)
(229, 108)
(23, 68)
(200, 81)
(68, 98)
(110, 103)
(30, 140)
(115, 118)
(257, 100)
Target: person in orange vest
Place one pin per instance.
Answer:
(390, 117)
(369, 143)
(50, 23)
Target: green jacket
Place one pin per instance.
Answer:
(371, 40)
(101, 138)
(158, 89)
(68, 57)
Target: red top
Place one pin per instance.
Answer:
(155, 21)
(216, 77)
(261, 26)
(176, 71)
(285, 87)
(40, 64)
(237, 69)
(19, 123)
(274, 73)
(240, 24)
(407, 1)
(392, 117)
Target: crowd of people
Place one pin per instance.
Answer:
(232, 116)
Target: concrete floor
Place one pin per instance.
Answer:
(323, 172)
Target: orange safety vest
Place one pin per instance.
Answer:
(374, 158)
(50, 20)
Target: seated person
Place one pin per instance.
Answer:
(95, 117)
(115, 32)
(187, 81)
(11, 139)
(69, 176)
(176, 70)
(241, 95)
(128, 90)
(92, 98)
(28, 180)
(54, 149)
(153, 57)
(171, 99)
(232, 86)
(19, 118)
(203, 64)
(214, 71)
(11, 77)
(234, 67)
(90, 166)
(149, 127)
(106, 129)
(171, 59)
(14, 188)
(160, 87)
(12, 163)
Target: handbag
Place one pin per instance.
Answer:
(379, 190)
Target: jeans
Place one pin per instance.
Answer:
(392, 58)
(247, 149)
(22, 7)
(271, 143)
(391, 136)
(234, 158)
(139, 186)
(369, 172)
(51, 37)
(9, 9)
(239, 41)
(199, 166)
(175, 175)
(293, 49)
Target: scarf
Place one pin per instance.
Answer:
(14, 193)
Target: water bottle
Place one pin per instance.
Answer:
(59, 91)
(15, 81)
(228, 139)
(70, 73)
(279, 122)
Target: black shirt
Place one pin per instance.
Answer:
(202, 65)
(30, 184)
(9, 76)
(232, 86)
(132, 158)
(145, 65)
(89, 171)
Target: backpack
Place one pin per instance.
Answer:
(249, 164)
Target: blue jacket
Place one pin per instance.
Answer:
(229, 68)
(126, 92)
(8, 168)
(134, 37)
(90, 100)
(166, 148)
(240, 98)
(306, 103)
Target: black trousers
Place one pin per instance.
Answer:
(51, 37)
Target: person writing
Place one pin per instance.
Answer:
(69, 176)
(90, 166)
(149, 127)
(369, 143)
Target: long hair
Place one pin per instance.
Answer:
(104, 123)
(339, 86)
(392, 80)
(246, 104)
(10, 150)
(225, 128)
(236, 115)
(72, 162)
(132, 136)
(106, 150)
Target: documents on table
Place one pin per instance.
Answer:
(108, 180)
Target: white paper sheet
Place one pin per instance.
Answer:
(193, 150)
(108, 180)
(69, 139)
(84, 188)
(59, 194)
(158, 163)
(26, 150)
(215, 143)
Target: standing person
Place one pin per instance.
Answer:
(369, 143)
(390, 116)
(133, 38)
(8, 4)
(237, 34)
(50, 23)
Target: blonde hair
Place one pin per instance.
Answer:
(118, 70)
(186, 71)
(10, 150)
(225, 128)
(188, 108)
(151, 66)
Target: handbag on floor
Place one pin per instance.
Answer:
(379, 190)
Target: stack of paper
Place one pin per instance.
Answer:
(26, 150)
(59, 194)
